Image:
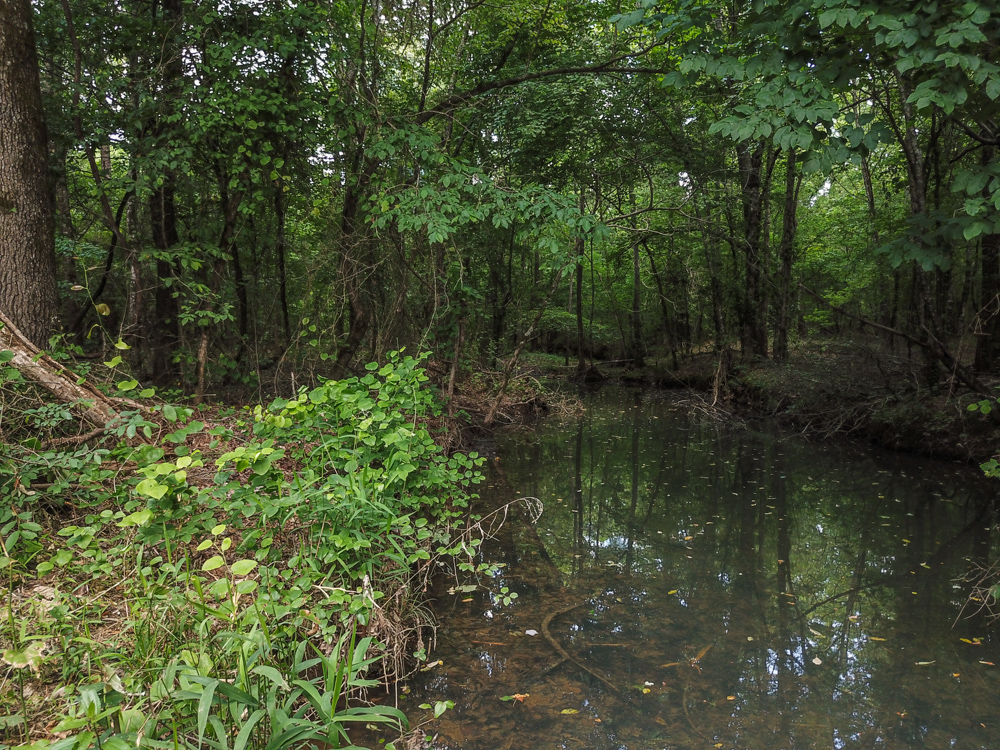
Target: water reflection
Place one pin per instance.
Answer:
(714, 588)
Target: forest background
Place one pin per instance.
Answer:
(227, 201)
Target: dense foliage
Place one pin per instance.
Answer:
(237, 182)
(256, 197)
(225, 580)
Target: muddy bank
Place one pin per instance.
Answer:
(862, 390)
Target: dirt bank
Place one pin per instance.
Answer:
(857, 388)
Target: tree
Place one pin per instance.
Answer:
(27, 229)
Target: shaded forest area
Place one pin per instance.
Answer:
(247, 188)
(367, 216)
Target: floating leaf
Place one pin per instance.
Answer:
(671, 593)
(531, 632)
(569, 711)
(875, 638)
(817, 661)
(925, 663)
(730, 697)
(519, 697)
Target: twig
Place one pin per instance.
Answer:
(75, 440)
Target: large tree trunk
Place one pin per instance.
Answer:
(27, 229)
(163, 208)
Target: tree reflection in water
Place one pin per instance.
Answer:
(739, 588)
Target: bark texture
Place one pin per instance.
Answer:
(95, 407)
(27, 228)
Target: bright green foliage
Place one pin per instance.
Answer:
(201, 705)
(325, 503)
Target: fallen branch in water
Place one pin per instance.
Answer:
(565, 654)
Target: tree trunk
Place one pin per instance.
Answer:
(279, 210)
(353, 267)
(988, 318)
(638, 346)
(165, 335)
(664, 309)
(27, 225)
(163, 211)
(785, 253)
(754, 330)
(581, 356)
(988, 326)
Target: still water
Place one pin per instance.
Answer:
(715, 587)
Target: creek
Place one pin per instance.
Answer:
(718, 587)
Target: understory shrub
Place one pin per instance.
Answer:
(221, 580)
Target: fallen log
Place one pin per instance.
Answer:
(58, 380)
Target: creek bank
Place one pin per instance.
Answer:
(861, 390)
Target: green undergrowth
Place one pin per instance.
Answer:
(227, 582)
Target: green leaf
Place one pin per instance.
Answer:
(151, 488)
(127, 385)
(243, 567)
(212, 563)
(204, 707)
(140, 517)
(272, 674)
(247, 731)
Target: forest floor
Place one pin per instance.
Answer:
(858, 388)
